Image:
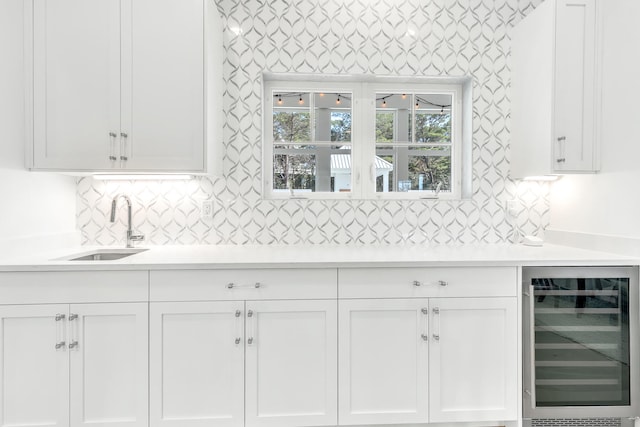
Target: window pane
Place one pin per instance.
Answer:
(295, 167)
(320, 122)
(403, 168)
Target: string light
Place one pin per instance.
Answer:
(279, 100)
(384, 102)
(300, 101)
(404, 96)
(338, 100)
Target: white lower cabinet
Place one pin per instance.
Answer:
(197, 364)
(34, 375)
(383, 361)
(291, 366)
(473, 359)
(236, 363)
(74, 365)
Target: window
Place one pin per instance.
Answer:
(347, 139)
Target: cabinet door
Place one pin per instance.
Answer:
(473, 373)
(76, 83)
(34, 374)
(197, 364)
(575, 103)
(291, 358)
(163, 85)
(109, 364)
(383, 361)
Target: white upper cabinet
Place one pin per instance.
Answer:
(555, 102)
(122, 85)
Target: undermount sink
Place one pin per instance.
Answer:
(104, 255)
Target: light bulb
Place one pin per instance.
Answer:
(338, 100)
(279, 100)
(384, 102)
(300, 101)
(404, 96)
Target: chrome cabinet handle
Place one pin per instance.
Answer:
(112, 143)
(60, 317)
(443, 283)
(256, 285)
(60, 335)
(60, 345)
(72, 317)
(425, 335)
(252, 326)
(123, 146)
(238, 339)
(73, 344)
(436, 334)
(417, 283)
(561, 141)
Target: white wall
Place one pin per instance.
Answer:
(609, 203)
(31, 204)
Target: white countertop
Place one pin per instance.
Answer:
(289, 256)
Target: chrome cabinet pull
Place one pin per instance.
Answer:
(238, 339)
(425, 311)
(256, 285)
(123, 146)
(443, 283)
(424, 337)
(60, 338)
(72, 317)
(73, 343)
(252, 327)
(417, 283)
(112, 143)
(436, 334)
(561, 141)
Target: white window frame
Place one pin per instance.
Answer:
(363, 133)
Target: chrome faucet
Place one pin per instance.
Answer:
(130, 236)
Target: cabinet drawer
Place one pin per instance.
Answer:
(427, 282)
(73, 287)
(227, 285)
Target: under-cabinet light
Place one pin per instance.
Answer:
(164, 177)
(547, 178)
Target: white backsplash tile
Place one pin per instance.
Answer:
(402, 37)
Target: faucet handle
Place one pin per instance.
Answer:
(137, 237)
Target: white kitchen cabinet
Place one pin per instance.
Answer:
(197, 364)
(123, 85)
(34, 374)
(383, 361)
(291, 366)
(275, 364)
(473, 358)
(109, 364)
(74, 365)
(555, 90)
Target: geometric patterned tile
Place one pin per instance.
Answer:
(382, 37)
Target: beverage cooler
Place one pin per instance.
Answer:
(580, 351)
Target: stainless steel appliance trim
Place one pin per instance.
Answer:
(530, 411)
